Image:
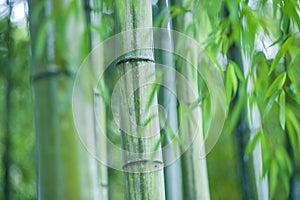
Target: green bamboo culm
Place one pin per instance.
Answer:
(254, 186)
(93, 13)
(143, 168)
(5, 57)
(65, 169)
(194, 169)
(172, 173)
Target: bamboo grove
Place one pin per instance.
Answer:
(133, 117)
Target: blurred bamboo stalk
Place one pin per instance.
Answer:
(254, 186)
(194, 169)
(5, 45)
(93, 13)
(172, 173)
(65, 169)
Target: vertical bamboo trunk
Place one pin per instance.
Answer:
(94, 15)
(64, 167)
(240, 137)
(143, 170)
(295, 179)
(172, 173)
(253, 184)
(5, 45)
(99, 111)
(254, 123)
(7, 142)
(194, 169)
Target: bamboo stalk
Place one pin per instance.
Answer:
(194, 169)
(7, 105)
(172, 173)
(253, 185)
(94, 15)
(7, 142)
(143, 169)
(64, 167)
(99, 111)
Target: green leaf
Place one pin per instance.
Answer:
(270, 104)
(273, 178)
(228, 87)
(233, 79)
(285, 167)
(41, 39)
(282, 109)
(294, 122)
(238, 71)
(276, 85)
(231, 83)
(237, 110)
(148, 120)
(290, 9)
(157, 146)
(291, 92)
(175, 11)
(170, 133)
(291, 134)
(252, 143)
(286, 184)
(104, 92)
(281, 53)
(152, 95)
(287, 161)
(267, 159)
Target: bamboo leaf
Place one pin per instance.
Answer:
(104, 92)
(291, 134)
(237, 110)
(282, 109)
(154, 90)
(238, 71)
(267, 161)
(294, 122)
(231, 82)
(289, 9)
(41, 39)
(285, 183)
(148, 120)
(170, 133)
(273, 178)
(252, 143)
(176, 10)
(286, 161)
(281, 53)
(270, 104)
(285, 167)
(276, 85)
(291, 92)
(157, 146)
(228, 87)
(233, 79)
(275, 7)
